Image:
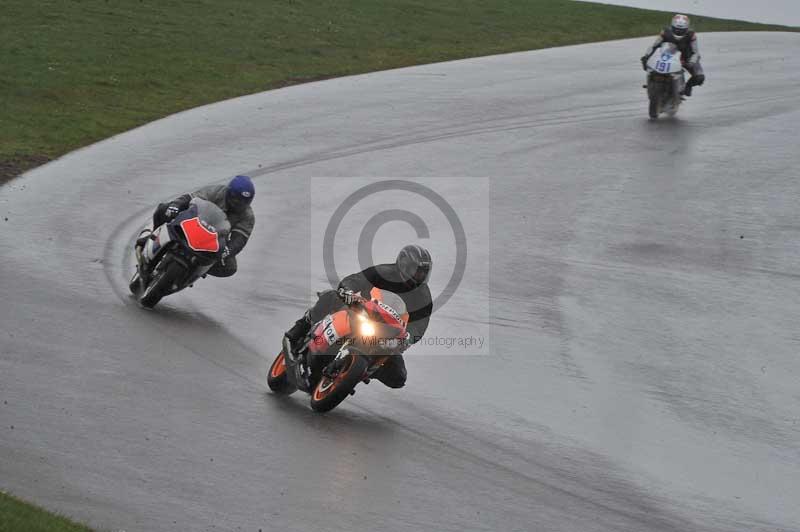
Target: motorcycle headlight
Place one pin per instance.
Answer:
(367, 329)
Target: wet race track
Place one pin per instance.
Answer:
(636, 284)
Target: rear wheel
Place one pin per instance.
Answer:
(277, 379)
(160, 285)
(330, 391)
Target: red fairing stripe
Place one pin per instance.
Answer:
(391, 320)
(198, 237)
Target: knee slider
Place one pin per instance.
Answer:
(400, 381)
(699, 79)
(395, 379)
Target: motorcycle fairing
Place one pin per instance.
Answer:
(198, 237)
(666, 60)
(330, 330)
(393, 303)
(210, 218)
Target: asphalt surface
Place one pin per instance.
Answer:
(641, 371)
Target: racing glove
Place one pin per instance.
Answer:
(644, 62)
(171, 211)
(236, 243)
(405, 344)
(226, 252)
(348, 296)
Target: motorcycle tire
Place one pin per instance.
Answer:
(277, 379)
(653, 109)
(159, 286)
(136, 283)
(329, 392)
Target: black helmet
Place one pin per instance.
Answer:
(415, 264)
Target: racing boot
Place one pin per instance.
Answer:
(138, 282)
(687, 90)
(297, 333)
(144, 235)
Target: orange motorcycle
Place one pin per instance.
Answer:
(343, 349)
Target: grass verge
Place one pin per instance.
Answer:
(74, 72)
(17, 515)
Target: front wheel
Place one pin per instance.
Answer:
(653, 96)
(160, 285)
(653, 110)
(330, 391)
(277, 379)
(135, 284)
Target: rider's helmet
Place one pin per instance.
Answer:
(415, 264)
(680, 26)
(239, 194)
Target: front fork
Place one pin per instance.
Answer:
(146, 237)
(139, 281)
(335, 365)
(300, 365)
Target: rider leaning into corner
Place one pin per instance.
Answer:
(407, 277)
(234, 199)
(685, 39)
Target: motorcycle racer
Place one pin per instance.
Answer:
(407, 277)
(235, 199)
(680, 34)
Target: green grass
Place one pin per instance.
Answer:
(75, 71)
(19, 516)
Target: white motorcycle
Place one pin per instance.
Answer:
(174, 255)
(665, 80)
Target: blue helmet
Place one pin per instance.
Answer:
(240, 193)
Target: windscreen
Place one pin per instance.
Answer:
(396, 303)
(212, 217)
(666, 60)
(205, 226)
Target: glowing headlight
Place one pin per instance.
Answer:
(367, 329)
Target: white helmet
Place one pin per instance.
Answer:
(680, 26)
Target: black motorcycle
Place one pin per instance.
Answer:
(176, 254)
